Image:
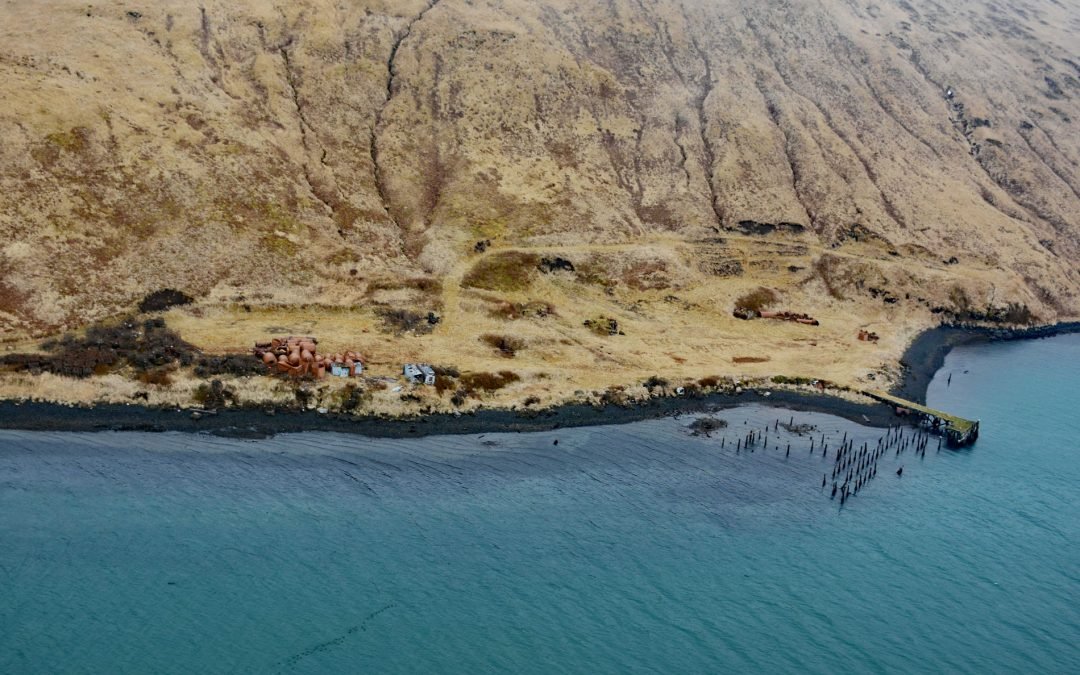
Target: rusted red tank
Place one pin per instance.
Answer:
(297, 356)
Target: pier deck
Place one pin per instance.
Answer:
(957, 430)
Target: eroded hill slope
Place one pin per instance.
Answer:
(879, 164)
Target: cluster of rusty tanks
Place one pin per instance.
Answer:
(298, 356)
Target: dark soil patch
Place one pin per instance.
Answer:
(549, 265)
(159, 301)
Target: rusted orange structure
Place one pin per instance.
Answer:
(790, 316)
(298, 356)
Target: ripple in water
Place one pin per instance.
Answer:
(621, 549)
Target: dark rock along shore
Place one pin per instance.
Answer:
(921, 360)
(926, 354)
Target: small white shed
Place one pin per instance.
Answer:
(343, 370)
(420, 373)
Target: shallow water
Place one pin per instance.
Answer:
(635, 548)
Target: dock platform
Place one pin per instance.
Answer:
(958, 431)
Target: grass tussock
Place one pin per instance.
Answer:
(646, 275)
(159, 377)
(351, 397)
(488, 382)
(512, 311)
(214, 395)
(655, 382)
(507, 271)
(506, 345)
(784, 379)
(444, 383)
(406, 321)
(749, 359)
(603, 326)
(756, 300)
(427, 285)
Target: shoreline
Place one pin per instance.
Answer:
(257, 423)
(920, 361)
(926, 353)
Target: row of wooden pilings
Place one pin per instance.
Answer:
(854, 466)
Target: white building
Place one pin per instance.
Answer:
(419, 373)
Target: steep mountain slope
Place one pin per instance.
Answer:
(872, 161)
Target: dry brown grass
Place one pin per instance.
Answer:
(562, 357)
(487, 382)
(750, 359)
(292, 225)
(508, 310)
(406, 321)
(757, 299)
(161, 377)
(426, 285)
(506, 346)
(504, 271)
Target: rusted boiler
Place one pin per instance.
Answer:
(298, 356)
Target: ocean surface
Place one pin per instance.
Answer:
(623, 549)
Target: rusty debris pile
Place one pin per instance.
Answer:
(747, 314)
(868, 336)
(791, 316)
(298, 356)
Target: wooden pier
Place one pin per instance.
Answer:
(957, 431)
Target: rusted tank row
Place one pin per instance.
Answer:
(299, 356)
(748, 314)
(791, 316)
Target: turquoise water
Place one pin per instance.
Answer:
(622, 549)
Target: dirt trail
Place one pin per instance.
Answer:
(455, 321)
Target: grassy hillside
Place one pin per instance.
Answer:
(315, 165)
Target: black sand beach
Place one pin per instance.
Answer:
(921, 360)
(925, 355)
(259, 423)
